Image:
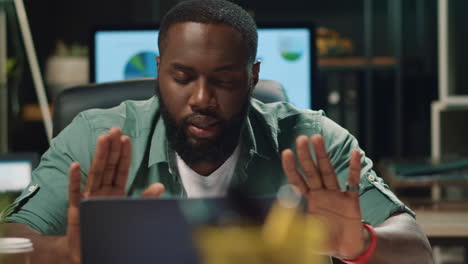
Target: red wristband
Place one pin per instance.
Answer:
(370, 250)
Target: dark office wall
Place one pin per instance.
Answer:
(72, 21)
(420, 74)
(458, 43)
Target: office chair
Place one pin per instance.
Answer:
(106, 95)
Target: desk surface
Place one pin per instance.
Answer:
(443, 223)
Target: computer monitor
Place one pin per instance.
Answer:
(286, 52)
(16, 170)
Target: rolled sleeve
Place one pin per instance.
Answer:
(43, 204)
(377, 201)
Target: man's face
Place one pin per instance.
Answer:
(205, 82)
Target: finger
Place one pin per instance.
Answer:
(114, 156)
(74, 196)
(354, 177)
(154, 190)
(307, 163)
(98, 164)
(325, 167)
(123, 166)
(73, 212)
(289, 167)
(74, 185)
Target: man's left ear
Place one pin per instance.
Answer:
(255, 73)
(158, 63)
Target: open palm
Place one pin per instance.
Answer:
(107, 177)
(340, 211)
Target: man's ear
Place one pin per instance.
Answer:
(255, 73)
(158, 64)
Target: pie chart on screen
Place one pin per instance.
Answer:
(291, 48)
(141, 65)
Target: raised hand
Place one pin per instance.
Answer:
(340, 211)
(107, 177)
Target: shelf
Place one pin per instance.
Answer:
(356, 63)
(435, 223)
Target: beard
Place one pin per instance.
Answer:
(215, 150)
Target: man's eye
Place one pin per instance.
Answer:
(223, 82)
(182, 79)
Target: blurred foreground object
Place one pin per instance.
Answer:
(287, 236)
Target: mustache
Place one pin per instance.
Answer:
(202, 119)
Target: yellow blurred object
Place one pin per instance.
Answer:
(288, 236)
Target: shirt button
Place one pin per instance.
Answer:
(32, 188)
(371, 177)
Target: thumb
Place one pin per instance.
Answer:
(154, 190)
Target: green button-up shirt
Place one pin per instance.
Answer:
(268, 130)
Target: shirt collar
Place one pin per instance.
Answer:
(159, 146)
(261, 132)
(159, 149)
(255, 143)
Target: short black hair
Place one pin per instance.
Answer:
(212, 12)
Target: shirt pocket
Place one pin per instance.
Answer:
(28, 193)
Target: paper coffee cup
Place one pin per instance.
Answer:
(15, 250)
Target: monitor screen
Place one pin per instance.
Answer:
(285, 55)
(15, 175)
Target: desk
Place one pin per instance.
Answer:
(445, 228)
(443, 223)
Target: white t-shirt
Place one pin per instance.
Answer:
(214, 185)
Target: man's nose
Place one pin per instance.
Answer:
(203, 96)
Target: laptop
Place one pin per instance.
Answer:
(155, 230)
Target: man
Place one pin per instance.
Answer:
(203, 133)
